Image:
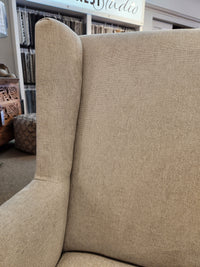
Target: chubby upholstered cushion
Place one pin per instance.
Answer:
(77, 259)
(135, 187)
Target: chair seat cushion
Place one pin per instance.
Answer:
(77, 259)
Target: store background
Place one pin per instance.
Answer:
(159, 14)
(6, 44)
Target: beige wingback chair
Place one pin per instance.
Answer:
(118, 160)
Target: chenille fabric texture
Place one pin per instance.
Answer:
(135, 184)
(77, 259)
(119, 137)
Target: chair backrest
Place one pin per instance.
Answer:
(135, 175)
(135, 183)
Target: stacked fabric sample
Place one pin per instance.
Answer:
(98, 28)
(28, 65)
(27, 18)
(30, 98)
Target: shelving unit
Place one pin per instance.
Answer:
(27, 18)
(24, 42)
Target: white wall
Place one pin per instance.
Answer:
(186, 7)
(182, 12)
(6, 47)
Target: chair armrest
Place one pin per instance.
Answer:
(32, 225)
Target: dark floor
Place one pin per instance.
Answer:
(16, 170)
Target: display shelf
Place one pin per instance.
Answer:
(50, 8)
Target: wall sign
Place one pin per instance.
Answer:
(131, 11)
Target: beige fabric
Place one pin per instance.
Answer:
(135, 180)
(59, 78)
(135, 191)
(75, 259)
(32, 224)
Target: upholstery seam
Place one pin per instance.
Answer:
(46, 180)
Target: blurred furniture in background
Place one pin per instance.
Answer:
(25, 132)
(9, 107)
